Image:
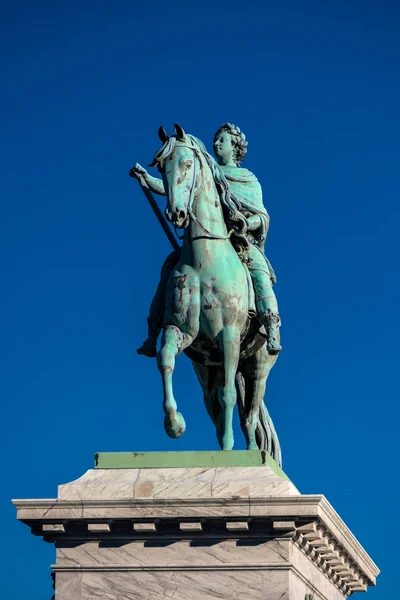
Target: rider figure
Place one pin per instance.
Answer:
(230, 148)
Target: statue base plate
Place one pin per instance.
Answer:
(155, 460)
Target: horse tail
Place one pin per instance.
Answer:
(266, 435)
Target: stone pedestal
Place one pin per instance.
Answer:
(209, 529)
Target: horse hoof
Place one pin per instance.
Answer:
(175, 426)
(227, 442)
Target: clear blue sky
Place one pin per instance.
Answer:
(316, 87)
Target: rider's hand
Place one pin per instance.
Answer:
(138, 171)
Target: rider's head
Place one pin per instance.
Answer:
(230, 145)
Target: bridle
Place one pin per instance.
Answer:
(212, 236)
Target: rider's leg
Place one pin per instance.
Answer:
(155, 320)
(267, 307)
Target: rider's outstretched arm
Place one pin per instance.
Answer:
(156, 185)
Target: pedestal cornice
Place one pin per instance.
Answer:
(309, 521)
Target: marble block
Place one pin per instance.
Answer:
(191, 533)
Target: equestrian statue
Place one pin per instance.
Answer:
(215, 299)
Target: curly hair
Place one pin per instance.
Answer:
(239, 142)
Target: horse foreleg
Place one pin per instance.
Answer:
(173, 342)
(229, 342)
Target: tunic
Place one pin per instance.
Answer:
(246, 190)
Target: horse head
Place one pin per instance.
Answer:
(178, 165)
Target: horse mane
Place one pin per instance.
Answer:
(230, 205)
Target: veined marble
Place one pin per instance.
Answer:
(199, 483)
(196, 533)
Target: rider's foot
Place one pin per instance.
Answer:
(273, 347)
(149, 347)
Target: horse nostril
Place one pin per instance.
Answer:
(181, 215)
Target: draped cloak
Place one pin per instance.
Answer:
(246, 190)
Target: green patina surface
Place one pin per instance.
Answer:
(154, 460)
(213, 284)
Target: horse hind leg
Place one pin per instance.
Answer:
(241, 401)
(209, 379)
(255, 371)
(173, 342)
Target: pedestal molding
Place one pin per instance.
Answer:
(176, 567)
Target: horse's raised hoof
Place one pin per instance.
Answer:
(148, 348)
(175, 426)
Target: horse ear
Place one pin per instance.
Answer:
(180, 133)
(162, 134)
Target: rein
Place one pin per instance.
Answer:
(191, 201)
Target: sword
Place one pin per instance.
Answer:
(158, 213)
